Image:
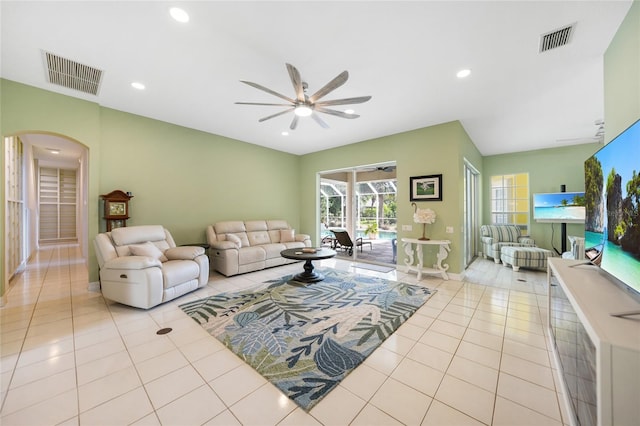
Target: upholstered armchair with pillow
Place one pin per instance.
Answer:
(494, 237)
(141, 266)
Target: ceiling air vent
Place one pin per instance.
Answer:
(556, 38)
(73, 75)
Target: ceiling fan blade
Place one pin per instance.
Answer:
(275, 115)
(296, 80)
(320, 121)
(336, 113)
(294, 122)
(330, 86)
(260, 103)
(264, 89)
(345, 101)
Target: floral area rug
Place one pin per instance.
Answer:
(306, 338)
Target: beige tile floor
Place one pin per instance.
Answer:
(475, 353)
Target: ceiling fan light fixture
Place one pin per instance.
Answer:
(179, 14)
(349, 111)
(463, 73)
(303, 111)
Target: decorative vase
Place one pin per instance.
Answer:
(424, 230)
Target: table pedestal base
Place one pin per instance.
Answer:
(308, 276)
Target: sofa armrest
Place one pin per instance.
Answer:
(527, 241)
(487, 240)
(223, 245)
(132, 262)
(183, 252)
(303, 238)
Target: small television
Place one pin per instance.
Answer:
(559, 207)
(612, 199)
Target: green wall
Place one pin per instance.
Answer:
(29, 110)
(622, 75)
(181, 178)
(186, 179)
(432, 150)
(548, 169)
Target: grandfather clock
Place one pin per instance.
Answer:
(116, 209)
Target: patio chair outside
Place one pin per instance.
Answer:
(344, 241)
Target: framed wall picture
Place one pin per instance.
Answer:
(425, 188)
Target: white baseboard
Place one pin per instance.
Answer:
(94, 286)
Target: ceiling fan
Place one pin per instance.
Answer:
(597, 137)
(304, 105)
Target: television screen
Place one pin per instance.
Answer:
(612, 198)
(559, 207)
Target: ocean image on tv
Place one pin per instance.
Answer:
(559, 207)
(615, 259)
(612, 199)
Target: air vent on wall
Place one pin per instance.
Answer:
(73, 75)
(556, 38)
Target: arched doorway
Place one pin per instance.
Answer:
(46, 195)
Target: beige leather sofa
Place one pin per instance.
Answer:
(237, 247)
(141, 266)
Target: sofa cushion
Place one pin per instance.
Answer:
(277, 224)
(229, 227)
(176, 272)
(507, 233)
(251, 255)
(147, 249)
(138, 234)
(257, 238)
(273, 250)
(234, 239)
(126, 250)
(256, 225)
(287, 235)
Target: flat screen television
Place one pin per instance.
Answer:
(559, 207)
(612, 199)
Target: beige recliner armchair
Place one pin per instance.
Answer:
(141, 266)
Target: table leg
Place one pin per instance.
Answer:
(420, 260)
(308, 276)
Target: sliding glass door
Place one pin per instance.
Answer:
(360, 201)
(471, 212)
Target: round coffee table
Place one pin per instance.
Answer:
(308, 276)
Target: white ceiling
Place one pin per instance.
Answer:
(404, 54)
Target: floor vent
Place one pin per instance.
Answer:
(556, 38)
(73, 75)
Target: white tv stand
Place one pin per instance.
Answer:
(598, 355)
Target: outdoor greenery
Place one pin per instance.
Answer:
(379, 210)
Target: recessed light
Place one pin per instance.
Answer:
(349, 111)
(53, 150)
(463, 73)
(137, 85)
(179, 14)
(285, 133)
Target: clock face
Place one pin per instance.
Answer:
(117, 209)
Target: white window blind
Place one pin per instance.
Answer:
(510, 200)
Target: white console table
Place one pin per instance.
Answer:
(414, 246)
(598, 354)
